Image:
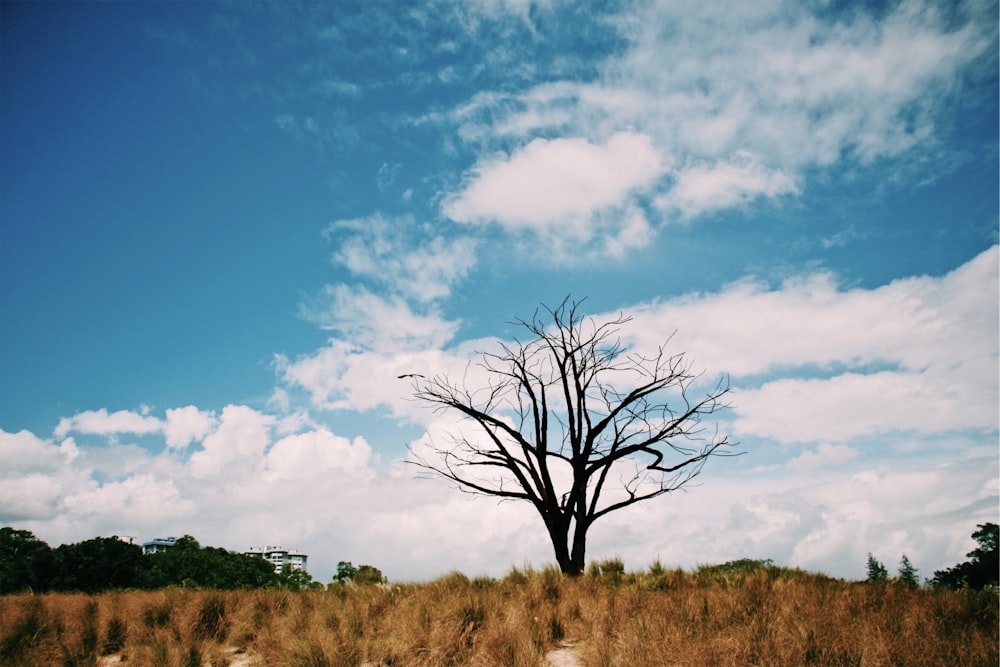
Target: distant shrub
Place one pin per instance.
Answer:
(609, 570)
(362, 574)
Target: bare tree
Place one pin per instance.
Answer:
(575, 424)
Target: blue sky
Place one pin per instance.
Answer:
(226, 228)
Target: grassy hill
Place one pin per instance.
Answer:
(742, 613)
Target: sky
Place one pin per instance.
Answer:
(225, 230)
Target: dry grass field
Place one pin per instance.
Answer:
(767, 616)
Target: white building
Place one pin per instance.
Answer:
(280, 557)
(159, 545)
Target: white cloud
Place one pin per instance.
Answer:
(917, 354)
(386, 252)
(344, 376)
(854, 404)
(29, 496)
(185, 425)
(725, 184)
(709, 85)
(329, 496)
(378, 322)
(828, 521)
(235, 448)
(135, 500)
(555, 186)
(314, 455)
(748, 328)
(100, 422)
(35, 474)
(25, 452)
(824, 455)
(629, 230)
(811, 361)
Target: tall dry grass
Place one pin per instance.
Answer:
(663, 617)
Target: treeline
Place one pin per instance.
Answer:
(979, 572)
(106, 563)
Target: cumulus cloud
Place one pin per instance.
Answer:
(134, 500)
(235, 446)
(30, 496)
(27, 452)
(555, 187)
(185, 425)
(314, 455)
(35, 474)
(827, 522)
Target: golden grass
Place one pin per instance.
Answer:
(763, 617)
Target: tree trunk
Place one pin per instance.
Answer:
(579, 553)
(572, 562)
(559, 536)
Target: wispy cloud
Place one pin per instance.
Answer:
(102, 422)
(738, 102)
(824, 455)
(402, 257)
(377, 322)
(726, 184)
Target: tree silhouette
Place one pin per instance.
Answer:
(982, 569)
(575, 424)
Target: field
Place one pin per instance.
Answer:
(762, 616)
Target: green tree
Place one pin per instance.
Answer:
(297, 580)
(369, 574)
(362, 574)
(876, 570)
(97, 564)
(981, 570)
(575, 424)
(908, 574)
(345, 572)
(25, 561)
